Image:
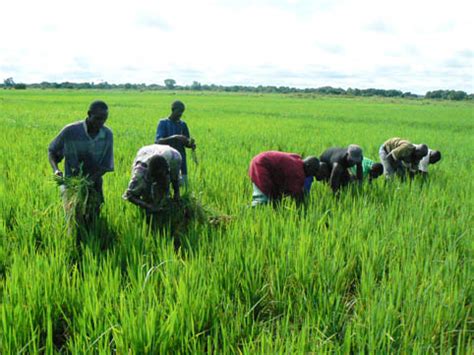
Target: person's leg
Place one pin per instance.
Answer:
(183, 181)
(258, 197)
(388, 169)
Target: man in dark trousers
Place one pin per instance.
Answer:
(175, 133)
(277, 174)
(87, 149)
(340, 161)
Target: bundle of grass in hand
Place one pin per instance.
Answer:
(179, 215)
(81, 200)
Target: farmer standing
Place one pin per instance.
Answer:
(175, 133)
(276, 174)
(396, 154)
(154, 168)
(87, 149)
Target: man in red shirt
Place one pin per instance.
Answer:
(277, 174)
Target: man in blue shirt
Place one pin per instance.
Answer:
(175, 133)
(87, 149)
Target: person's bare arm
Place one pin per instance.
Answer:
(359, 172)
(335, 179)
(142, 204)
(54, 164)
(177, 138)
(175, 184)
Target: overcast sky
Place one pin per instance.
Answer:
(403, 44)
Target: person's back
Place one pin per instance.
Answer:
(339, 161)
(278, 173)
(398, 148)
(334, 155)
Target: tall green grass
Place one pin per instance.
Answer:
(388, 268)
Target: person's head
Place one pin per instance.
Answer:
(158, 170)
(420, 151)
(354, 154)
(97, 114)
(324, 172)
(177, 109)
(311, 166)
(435, 156)
(376, 170)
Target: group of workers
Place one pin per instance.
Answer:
(87, 149)
(277, 174)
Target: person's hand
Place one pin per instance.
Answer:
(182, 139)
(58, 173)
(153, 209)
(192, 143)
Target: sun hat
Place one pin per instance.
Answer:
(354, 153)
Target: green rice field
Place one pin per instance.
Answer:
(387, 268)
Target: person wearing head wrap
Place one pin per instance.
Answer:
(340, 160)
(396, 154)
(174, 132)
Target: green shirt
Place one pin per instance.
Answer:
(366, 166)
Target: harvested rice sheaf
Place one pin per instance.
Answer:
(180, 214)
(81, 199)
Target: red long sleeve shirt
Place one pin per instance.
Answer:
(277, 173)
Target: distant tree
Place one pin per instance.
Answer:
(8, 83)
(170, 83)
(447, 95)
(457, 95)
(196, 86)
(19, 86)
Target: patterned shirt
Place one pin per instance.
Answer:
(82, 152)
(399, 149)
(167, 128)
(140, 186)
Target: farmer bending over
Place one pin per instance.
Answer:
(87, 148)
(154, 168)
(397, 153)
(340, 160)
(432, 157)
(175, 133)
(323, 174)
(370, 169)
(276, 174)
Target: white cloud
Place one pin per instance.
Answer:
(412, 46)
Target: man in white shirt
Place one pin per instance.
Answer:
(154, 168)
(432, 157)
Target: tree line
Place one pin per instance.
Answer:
(170, 84)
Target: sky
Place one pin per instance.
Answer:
(409, 45)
